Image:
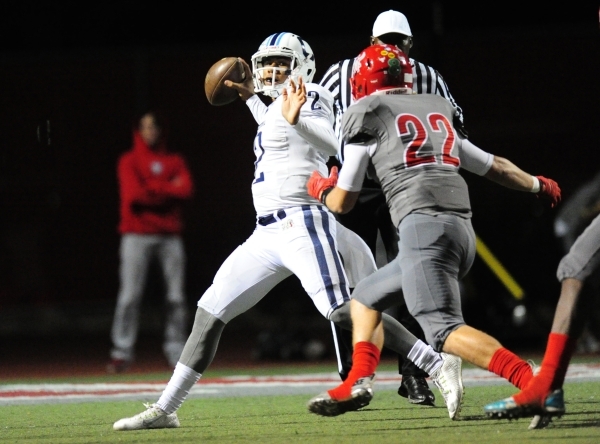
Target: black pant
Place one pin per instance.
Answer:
(369, 216)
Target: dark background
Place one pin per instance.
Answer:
(526, 75)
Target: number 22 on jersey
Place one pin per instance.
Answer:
(427, 143)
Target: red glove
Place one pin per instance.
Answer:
(550, 190)
(317, 183)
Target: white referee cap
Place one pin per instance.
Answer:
(391, 22)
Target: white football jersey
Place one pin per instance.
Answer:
(287, 155)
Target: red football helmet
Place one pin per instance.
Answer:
(382, 68)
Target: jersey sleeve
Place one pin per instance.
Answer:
(473, 158)
(257, 108)
(355, 167)
(360, 123)
(315, 124)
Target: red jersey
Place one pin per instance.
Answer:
(153, 186)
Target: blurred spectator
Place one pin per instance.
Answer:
(154, 185)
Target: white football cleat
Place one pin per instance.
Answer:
(448, 379)
(152, 418)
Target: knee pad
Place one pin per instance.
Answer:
(202, 343)
(341, 317)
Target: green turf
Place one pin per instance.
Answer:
(283, 419)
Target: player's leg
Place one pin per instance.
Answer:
(357, 250)
(135, 253)
(435, 252)
(342, 344)
(432, 252)
(378, 292)
(543, 394)
(312, 253)
(245, 277)
(310, 250)
(542, 397)
(359, 263)
(241, 282)
(361, 223)
(381, 288)
(171, 254)
(414, 385)
(315, 260)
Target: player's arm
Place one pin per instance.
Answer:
(309, 112)
(246, 92)
(340, 194)
(257, 108)
(503, 172)
(507, 174)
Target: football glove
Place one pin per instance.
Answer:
(549, 189)
(317, 183)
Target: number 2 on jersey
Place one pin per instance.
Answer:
(417, 140)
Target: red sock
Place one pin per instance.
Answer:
(508, 365)
(364, 362)
(559, 351)
(556, 360)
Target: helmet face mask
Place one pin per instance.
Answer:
(281, 45)
(381, 69)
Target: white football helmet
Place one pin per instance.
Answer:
(282, 44)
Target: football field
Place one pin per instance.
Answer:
(269, 406)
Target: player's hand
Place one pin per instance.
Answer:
(294, 96)
(245, 88)
(317, 183)
(550, 190)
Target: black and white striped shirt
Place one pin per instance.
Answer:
(426, 80)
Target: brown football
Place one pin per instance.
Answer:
(228, 68)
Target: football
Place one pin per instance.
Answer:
(228, 68)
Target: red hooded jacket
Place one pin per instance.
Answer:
(153, 186)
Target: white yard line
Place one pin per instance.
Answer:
(12, 394)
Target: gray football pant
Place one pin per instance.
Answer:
(434, 253)
(582, 262)
(137, 251)
(584, 256)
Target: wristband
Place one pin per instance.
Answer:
(536, 188)
(324, 194)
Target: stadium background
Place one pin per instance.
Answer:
(527, 81)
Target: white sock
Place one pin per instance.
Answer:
(177, 389)
(425, 357)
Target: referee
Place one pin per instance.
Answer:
(370, 215)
